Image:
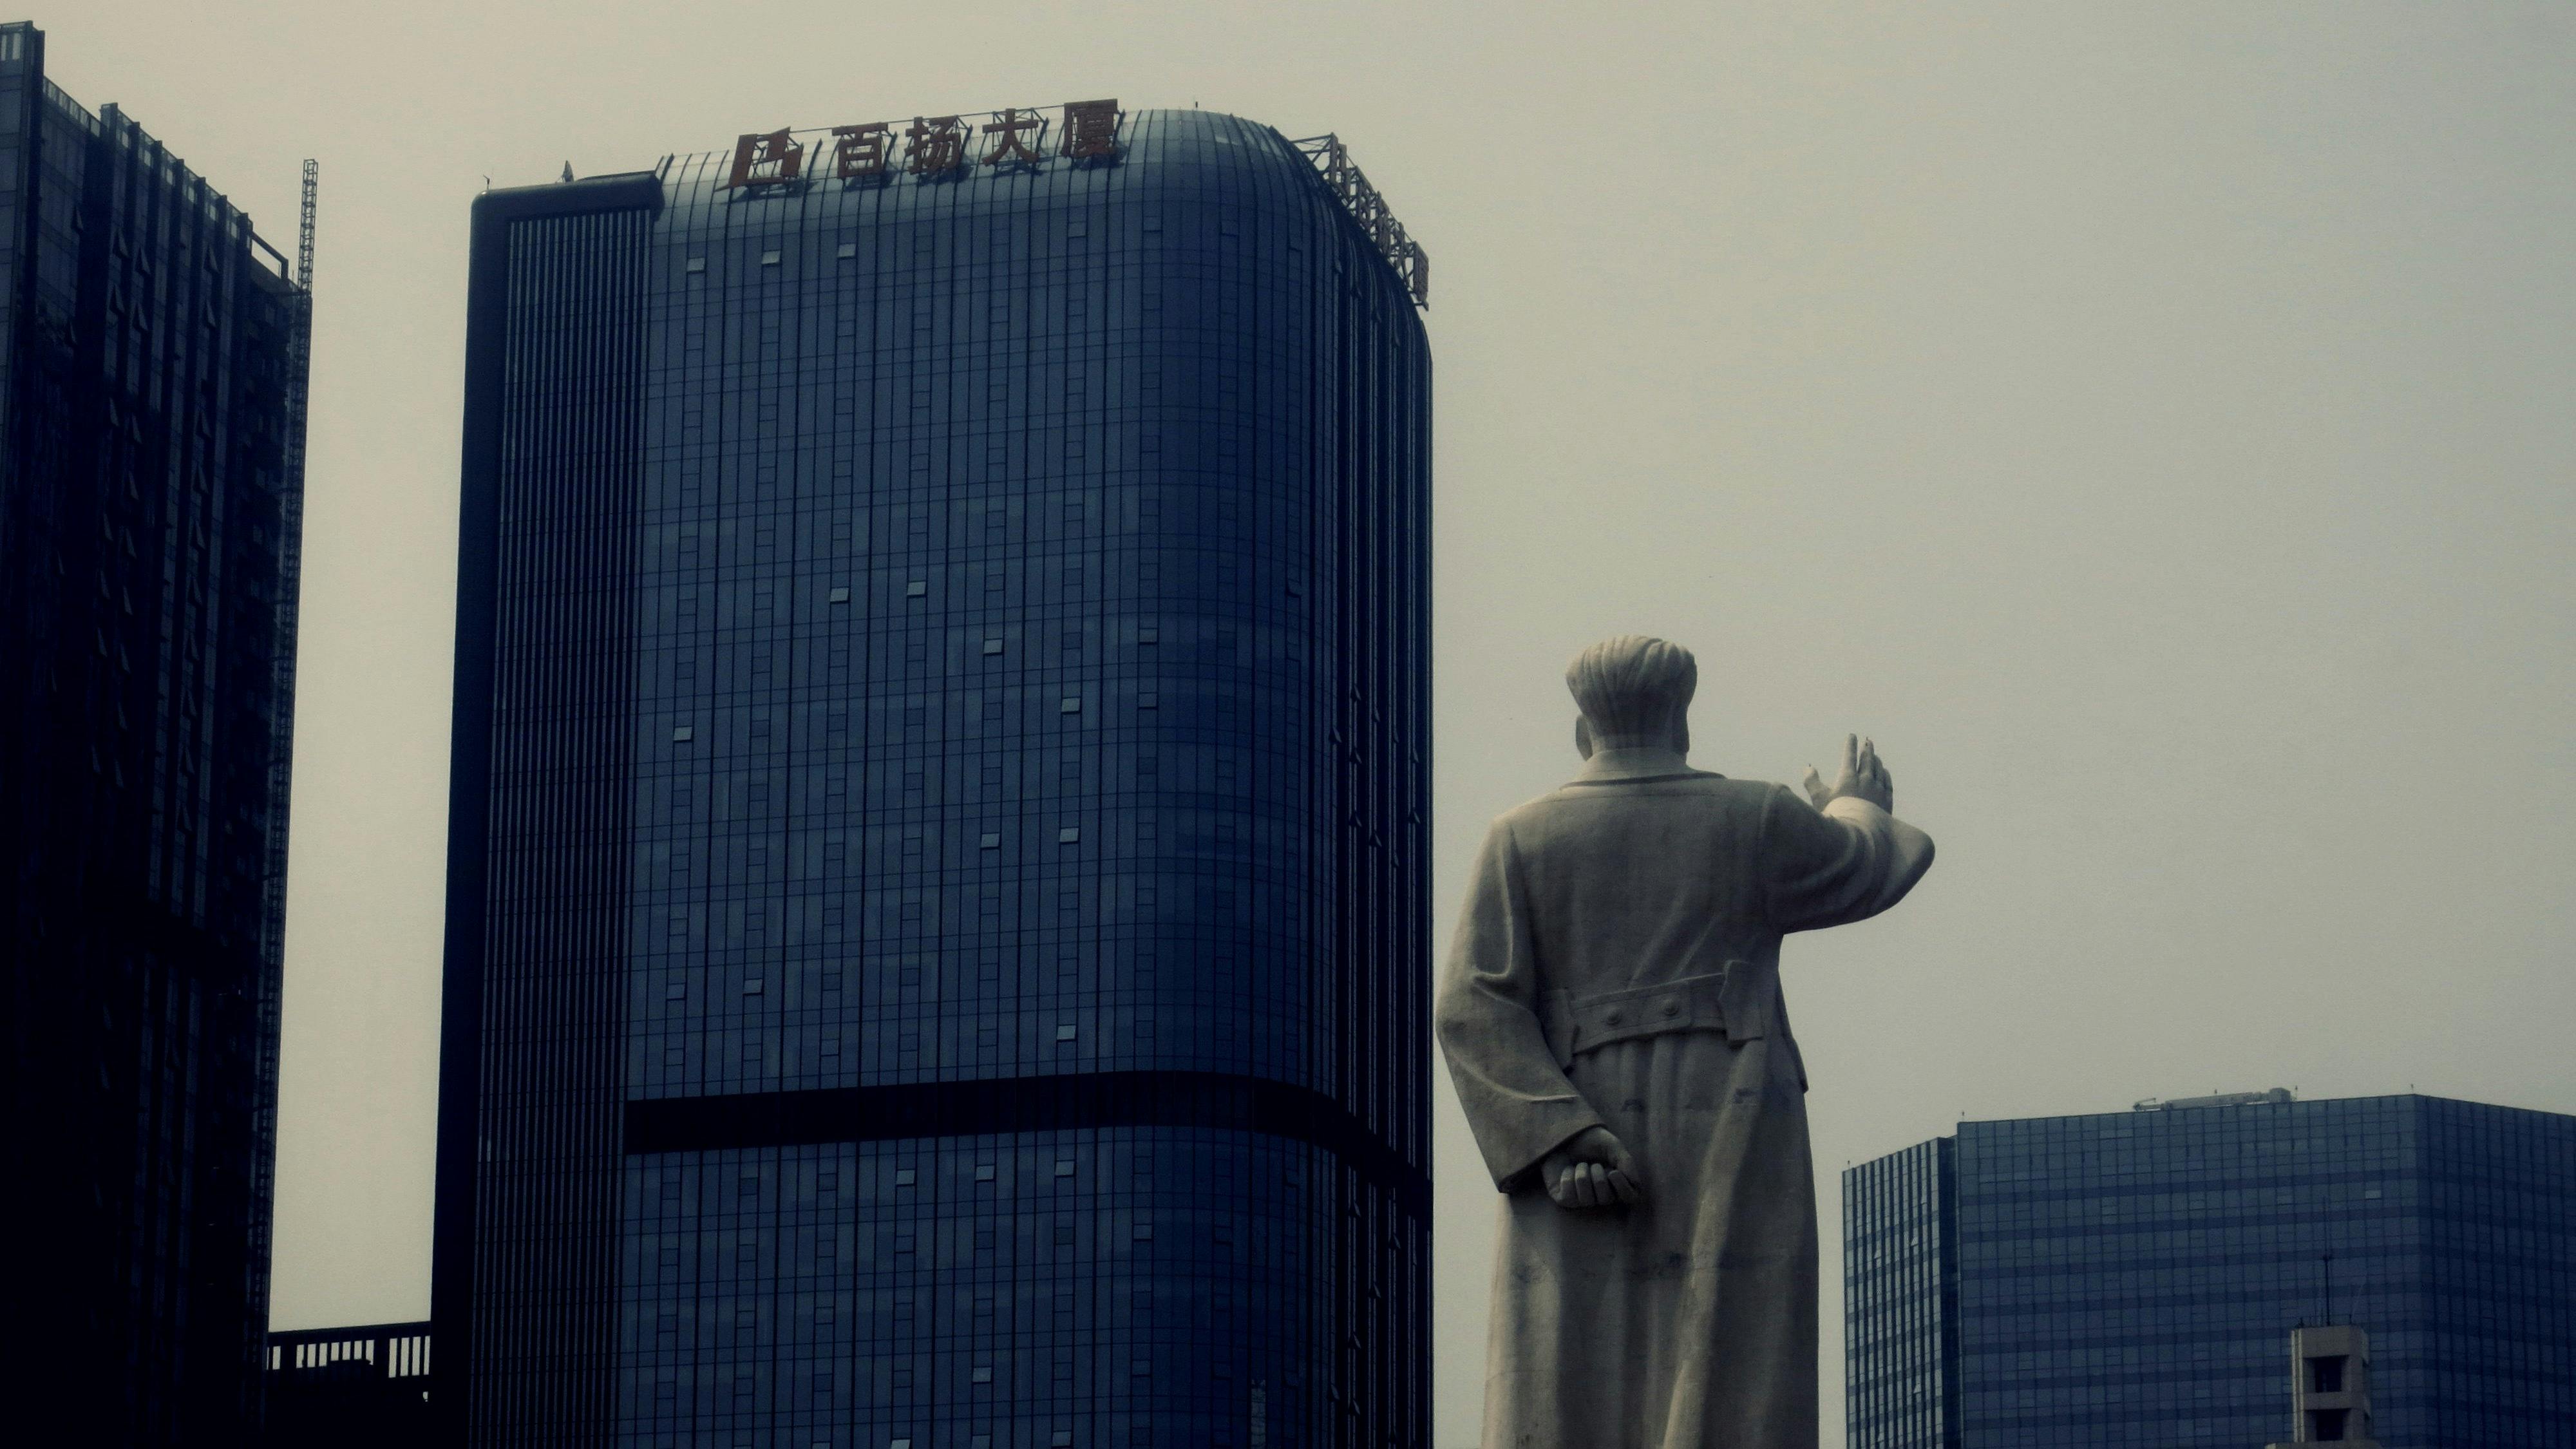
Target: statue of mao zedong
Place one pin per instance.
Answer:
(1611, 1014)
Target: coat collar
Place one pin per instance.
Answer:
(1650, 763)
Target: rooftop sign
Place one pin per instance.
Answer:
(932, 147)
(949, 148)
(1332, 161)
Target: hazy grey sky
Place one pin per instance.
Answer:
(2152, 423)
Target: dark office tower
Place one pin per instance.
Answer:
(937, 928)
(2130, 1280)
(151, 485)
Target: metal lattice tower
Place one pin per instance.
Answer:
(290, 561)
(282, 641)
(304, 234)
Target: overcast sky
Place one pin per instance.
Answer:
(2152, 423)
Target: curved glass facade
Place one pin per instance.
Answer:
(938, 869)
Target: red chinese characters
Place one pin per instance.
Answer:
(772, 160)
(1090, 129)
(934, 147)
(1007, 145)
(859, 151)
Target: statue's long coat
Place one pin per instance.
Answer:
(1617, 964)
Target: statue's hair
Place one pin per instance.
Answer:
(1631, 685)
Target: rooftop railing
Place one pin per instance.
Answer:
(70, 107)
(392, 1350)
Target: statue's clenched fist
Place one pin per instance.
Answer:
(1593, 1170)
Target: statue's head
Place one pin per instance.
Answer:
(1634, 692)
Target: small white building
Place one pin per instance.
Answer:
(2330, 1386)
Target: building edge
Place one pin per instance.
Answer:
(451, 1291)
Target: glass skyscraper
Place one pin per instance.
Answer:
(1901, 1299)
(151, 483)
(2132, 1279)
(936, 903)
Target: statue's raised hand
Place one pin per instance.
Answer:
(1863, 778)
(1593, 1170)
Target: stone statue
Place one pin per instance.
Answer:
(1611, 1014)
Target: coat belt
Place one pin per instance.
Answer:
(1737, 1001)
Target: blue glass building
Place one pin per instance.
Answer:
(152, 371)
(937, 866)
(1901, 1299)
(2132, 1279)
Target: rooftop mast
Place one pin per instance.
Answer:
(290, 560)
(304, 229)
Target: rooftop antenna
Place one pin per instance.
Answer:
(2325, 1283)
(304, 226)
(290, 554)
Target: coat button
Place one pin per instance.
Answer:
(1613, 1019)
(1672, 1008)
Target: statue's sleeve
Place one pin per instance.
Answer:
(1518, 1101)
(1845, 863)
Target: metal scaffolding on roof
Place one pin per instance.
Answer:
(1349, 185)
